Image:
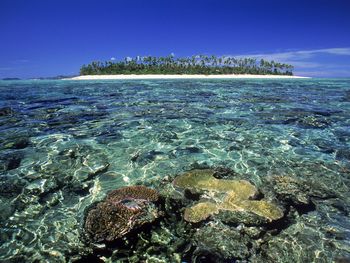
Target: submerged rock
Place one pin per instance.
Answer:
(10, 161)
(5, 111)
(299, 191)
(7, 209)
(324, 146)
(166, 136)
(122, 211)
(343, 135)
(343, 154)
(146, 157)
(307, 119)
(18, 143)
(315, 122)
(310, 239)
(291, 189)
(230, 199)
(185, 151)
(14, 141)
(10, 188)
(346, 97)
(222, 172)
(219, 243)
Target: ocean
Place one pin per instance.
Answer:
(65, 144)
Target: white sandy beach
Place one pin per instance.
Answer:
(236, 76)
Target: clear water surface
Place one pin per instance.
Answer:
(65, 144)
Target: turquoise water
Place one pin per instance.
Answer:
(65, 144)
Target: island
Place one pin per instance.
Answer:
(199, 66)
(10, 79)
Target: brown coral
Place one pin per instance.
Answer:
(124, 209)
(133, 192)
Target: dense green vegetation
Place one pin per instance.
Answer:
(200, 64)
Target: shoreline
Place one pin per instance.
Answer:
(159, 76)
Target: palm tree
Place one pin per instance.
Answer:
(200, 64)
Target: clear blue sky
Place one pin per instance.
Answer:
(51, 37)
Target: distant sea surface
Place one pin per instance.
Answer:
(65, 144)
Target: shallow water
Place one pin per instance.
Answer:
(65, 144)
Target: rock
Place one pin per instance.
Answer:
(299, 191)
(315, 122)
(74, 162)
(343, 154)
(220, 243)
(108, 135)
(18, 143)
(7, 209)
(10, 161)
(97, 171)
(324, 146)
(10, 188)
(166, 136)
(310, 239)
(6, 111)
(346, 97)
(306, 119)
(290, 189)
(290, 246)
(122, 211)
(185, 151)
(224, 173)
(343, 135)
(146, 157)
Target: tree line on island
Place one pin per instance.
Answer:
(200, 64)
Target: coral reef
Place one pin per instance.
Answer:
(206, 219)
(227, 195)
(198, 181)
(217, 242)
(233, 202)
(299, 191)
(308, 240)
(137, 192)
(200, 212)
(123, 210)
